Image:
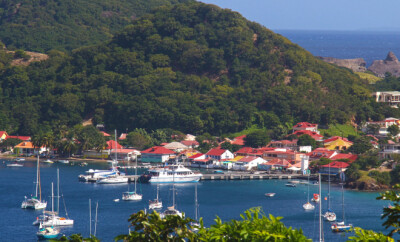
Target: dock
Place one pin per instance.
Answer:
(249, 176)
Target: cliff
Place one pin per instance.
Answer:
(391, 64)
(357, 65)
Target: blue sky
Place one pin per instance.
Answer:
(318, 14)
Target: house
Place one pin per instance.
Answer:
(319, 153)
(176, 146)
(219, 154)
(342, 156)
(126, 154)
(157, 154)
(302, 126)
(337, 143)
(190, 143)
(393, 97)
(388, 150)
(285, 144)
(112, 145)
(334, 168)
(200, 161)
(123, 136)
(274, 164)
(248, 151)
(313, 134)
(105, 134)
(247, 163)
(383, 125)
(285, 154)
(3, 136)
(27, 148)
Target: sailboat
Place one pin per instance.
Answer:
(116, 177)
(171, 211)
(52, 218)
(51, 232)
(321, 231)
(132, 196)
(195, 225)
(156, 203)
(329, 215)
(308, 205)
(34, 202)
(341, 226)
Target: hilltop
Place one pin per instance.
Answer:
(68, 24)
(192, 67)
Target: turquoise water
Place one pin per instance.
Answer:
(227, 199)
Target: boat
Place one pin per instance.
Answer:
(195, 225)
(34, 202)
(321, 231)
(171, 173)
(116, 200)
(129, 196)
(294, 182)
(52, 218)
(48, 161)
(15, 165)
(45, 233)
(118, 179)
(290, 185)
(308, 205)
(341, 226)
(270, 194)
(94, 175)
(19, 159)
(315, 198)
(156, 203)
(171, 211)
(63, 161)
(329, 215)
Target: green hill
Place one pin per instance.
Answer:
(191, 67)
(67, 24)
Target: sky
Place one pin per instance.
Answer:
(363, 15)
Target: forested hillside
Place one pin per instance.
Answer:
(67, 24)
(191, 67)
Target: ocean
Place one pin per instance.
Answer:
(346, 44)
(227, 199)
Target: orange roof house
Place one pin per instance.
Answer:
(3, 135)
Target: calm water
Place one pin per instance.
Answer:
(347, 44)
(226, 199)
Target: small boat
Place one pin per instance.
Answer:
(47, 232)
(64, 161)
(83, 164)
(290, 185)
(131, 196)
(15, 165)
(19, 159)
(112, 180)
(295, 182)
(315, 198)
(341, 226)
(116, 200)
(270, 194)
(308, 206)
(48, 161)
(171, 211)
(156, 203)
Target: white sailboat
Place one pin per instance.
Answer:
(329, 215)
(49, 233)
(132, 196)
(171, 211)
(156, 203)
(308, 205)
(321, 231)
(195, 225)
(34, 202)
(341, 226)
(53, 218)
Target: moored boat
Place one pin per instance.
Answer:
(171, 173)
(34, 202)
(47, 233)
(270, 194)
(112, 180)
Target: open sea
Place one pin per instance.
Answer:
(227, 199)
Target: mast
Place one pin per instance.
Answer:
(158, 187)
(95, 223)
(52, 199)
(321, 235)
(40, 187)
(58, 190)
(37, 177)
(342, 203)
(308, 187)
(195, 203)
(135, 174)
(116, 156)
(329, 186)
(90, 218)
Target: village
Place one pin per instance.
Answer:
(277, 156)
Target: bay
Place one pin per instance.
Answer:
(227, 199)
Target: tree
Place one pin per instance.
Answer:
(257, 139)
(361, 145)
(307, 140)
(373, 128)
(394, 130)
(139, 139)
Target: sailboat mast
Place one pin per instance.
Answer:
(37, 177)
(321, 236)
(135, 173)
(329, 186)
(90, 218)
(195, 202)
(116, 156)
(58, 190)
(342, 202)
(158, 187)
(52, 198)
(40, 187)
(95, 223)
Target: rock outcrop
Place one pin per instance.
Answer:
(391, 64)
(357, 65)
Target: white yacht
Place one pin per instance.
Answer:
(112, 180)
(132, 196)
(97, 174)
(171, 173)
(34, 202)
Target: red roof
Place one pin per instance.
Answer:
(196, 156)
(336, 138)
(158, 150)
(248, 158)
(313, 134)
(337, 164)
(24, 138)
(2, 133)
(216, 152)
(305, 125)
(122, 136)
(190, 142)
(321, 152)
(105, 134)
(278, 162)
(112, 145)
(350, 157)
(253, 151)
(127, 151)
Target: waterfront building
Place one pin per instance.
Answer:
(274, 164)
(157, 154)
(247, 163)
(285, 144)
(319, 153)
(388, 150)
(176, 146)
(219, 154)
(26, 148)
(249, 151)
(350, 158)
(285, 154)
(333, 168)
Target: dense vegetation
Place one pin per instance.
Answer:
(67, 24)
(191, 67)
